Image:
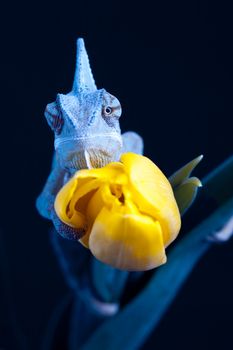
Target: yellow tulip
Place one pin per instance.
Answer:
(127, 210)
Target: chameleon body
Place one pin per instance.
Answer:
(87, 134)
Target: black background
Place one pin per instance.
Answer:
(170, 65)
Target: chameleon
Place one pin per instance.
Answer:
(87, 134)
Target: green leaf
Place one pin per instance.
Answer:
(183, 173)
(185, 187)
(186, 192)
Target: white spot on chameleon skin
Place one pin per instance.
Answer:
(87, 159)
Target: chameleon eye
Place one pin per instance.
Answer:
(108, 110)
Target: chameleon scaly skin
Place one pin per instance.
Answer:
(87, 134)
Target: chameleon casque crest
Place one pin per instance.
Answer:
(87, 134)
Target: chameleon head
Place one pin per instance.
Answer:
(85, 121)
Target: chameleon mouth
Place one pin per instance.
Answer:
(94, 151)
(91, 158)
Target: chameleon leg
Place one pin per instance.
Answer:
(45, 201)
(132, 142)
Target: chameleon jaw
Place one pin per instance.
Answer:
(88, 158)
(94, 151)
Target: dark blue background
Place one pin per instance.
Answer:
(171, 67)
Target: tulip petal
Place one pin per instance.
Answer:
(110, 171)
(67, 205)
(63, 198)
(153, 194)
(126, 240)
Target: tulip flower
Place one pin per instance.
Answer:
(126, 210)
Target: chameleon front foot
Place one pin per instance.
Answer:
(66, 231)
